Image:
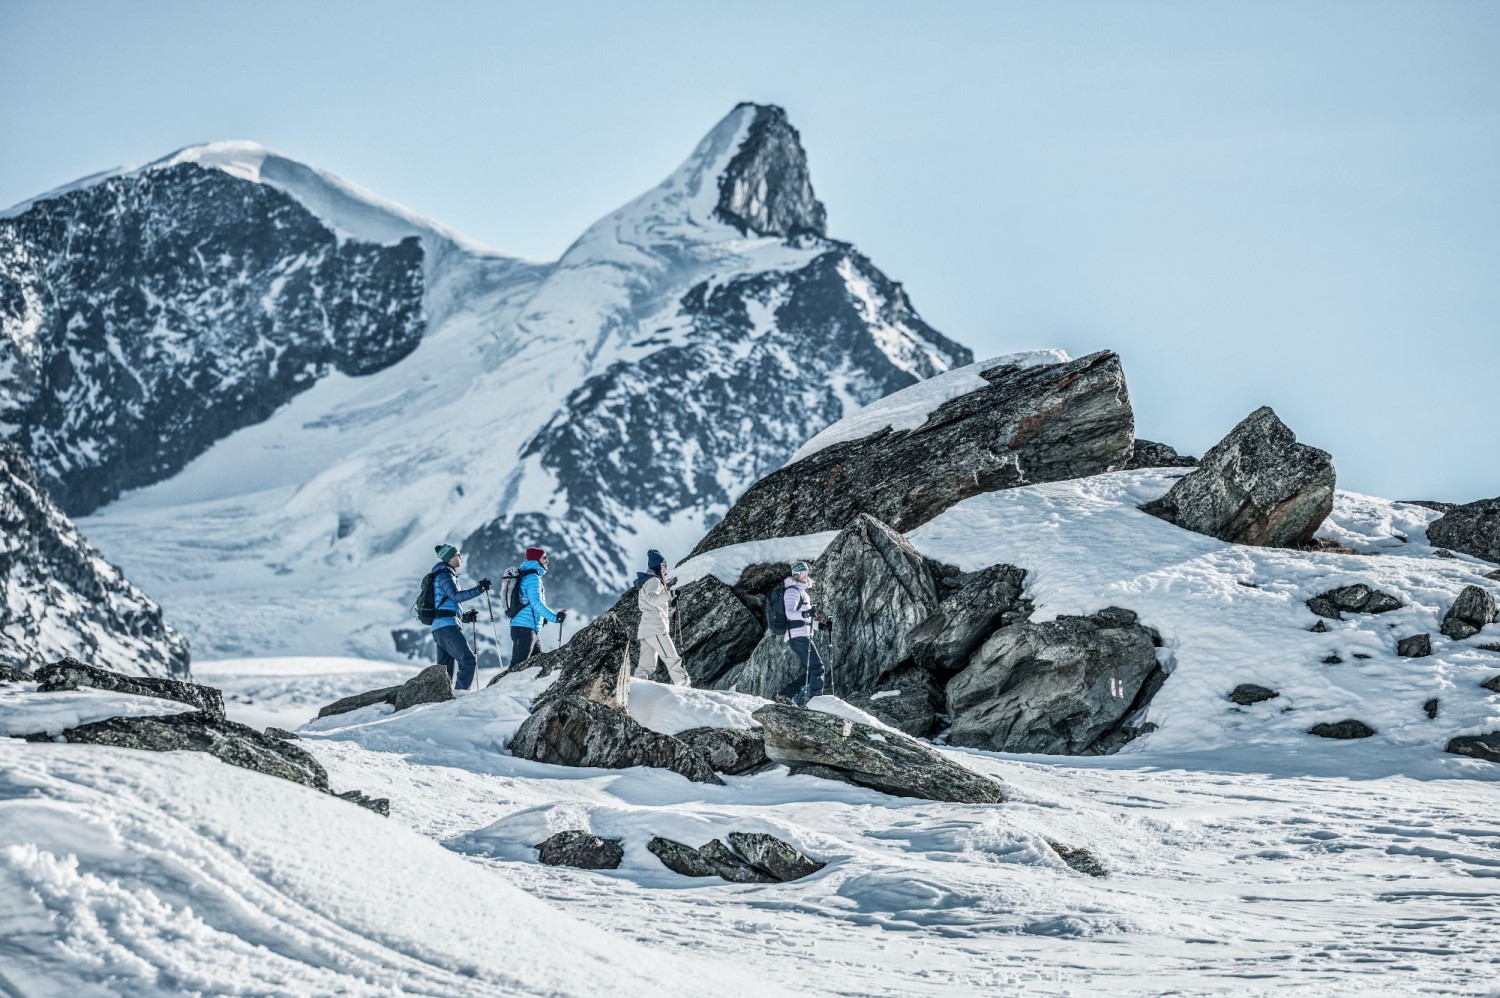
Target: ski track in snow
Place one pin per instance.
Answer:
(1244, 855)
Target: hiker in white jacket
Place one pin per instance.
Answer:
(655, 629)
(802, 624)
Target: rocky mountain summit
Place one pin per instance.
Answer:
(59, 597)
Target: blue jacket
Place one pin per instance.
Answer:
(446, 595)
(534, 609)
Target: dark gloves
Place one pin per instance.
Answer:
(470, 616)
(562, 615)
(484, 585)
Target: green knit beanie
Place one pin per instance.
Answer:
(445, 552)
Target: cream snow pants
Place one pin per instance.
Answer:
(660, 647)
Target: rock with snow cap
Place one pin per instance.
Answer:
(574, 731)
(1469, 614)
(70, 674)
(1257, 486)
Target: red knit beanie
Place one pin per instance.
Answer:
(535, 554)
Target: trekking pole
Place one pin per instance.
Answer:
(494, 633)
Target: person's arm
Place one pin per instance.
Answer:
(654, 594)
(443, 590)
(464, 595)
(532, 590)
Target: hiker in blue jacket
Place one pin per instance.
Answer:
(447, 629)
(527, 624)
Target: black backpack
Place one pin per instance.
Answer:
(424, 609)
(776, 621)
(511, 590)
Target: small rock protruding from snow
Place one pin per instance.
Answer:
(431, 685)
(1415, 646)
(1486, 747)
(766, 852)
(1348, 728)
(1246, 694)
(1257, 486)
(1492, 684)
(582, 850)
(1080, 859)
(1430, 708)
(1469, 614)
(1358, 598)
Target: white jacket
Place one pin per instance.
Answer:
(799, 611)
(656, 609)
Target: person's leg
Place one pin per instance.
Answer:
(443, 658)
(466, 666)
(673, 661)
(814, 671)
(794, 689)
(645, 663)
(522, 642)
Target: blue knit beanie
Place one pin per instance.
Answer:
(654, 558)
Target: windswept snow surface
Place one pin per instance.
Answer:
(910, 407)
(143, 873)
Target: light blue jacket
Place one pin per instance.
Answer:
(446, 595)
(534, 609)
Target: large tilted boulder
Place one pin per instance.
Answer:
(1256, 486)
(728, 750)
(575, 731)
(1472, 529)
(881, 760)
(229, 742)
(431, 685)
(972, 606)
(717, 628)
(881, 590)
(70, 674)
(1027, 425)
(1469, 614)
(1065, 687)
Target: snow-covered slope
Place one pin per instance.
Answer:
(615, 400)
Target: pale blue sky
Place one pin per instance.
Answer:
(1295, 204)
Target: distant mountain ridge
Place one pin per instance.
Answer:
(319, 386)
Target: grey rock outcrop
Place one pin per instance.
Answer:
(717, 627)
(766, 188)
(1080, 859)
(283, 734)
(1257, 486)
(881, 760)
(1038, 424)
(580, 849)
(1414, 646)
(431, 685)
(70, 674)
(1473, 529)
(1067, 686)
(908, 699)
(1430, 708)
(61, 597)
(782, 861)
(574, 731)
(732, 866)
(680, 858)
(1486, 747)
(1358, 598)
(229, 742)
(970, 609)
(1348, 728)
(1246, 694)
(883, 591)
(10, 674)
(1469, 614)
(380, 805)
(1150, 454)
(595, 662)
(728, 750)
(1492, 684)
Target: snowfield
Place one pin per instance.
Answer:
(1244, 856)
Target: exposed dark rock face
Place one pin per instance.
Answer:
(1080, 859)
(1246, 694)
(717, 628)
(229, 742)
(908, 699)
(681, 859)
(728, 750)
(1030, 425)
(1256, 486)
(882, 590)
(1066, 686)
(428, 686)
(580, 849)
(573, 731)
(8, 674)
(1486, 747)
(145, 317)
(63, 598)
(1469, 614)
(781, 860)
(1492, 684)
(1150, 454)
(972, 608)
(1493, 576)
(70, 674)
(595, 663)
(885, 761)
(772, 666)
(1358, 598)
(1349, 728)
(1430, 708)
(725, 404)
(380, 805)
(283, 734)
(1473, 529)
(1415, 646)
(732, 866)
(767, 188)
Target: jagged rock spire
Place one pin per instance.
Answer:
(766, 187)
